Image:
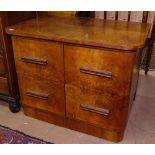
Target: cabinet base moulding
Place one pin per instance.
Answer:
(73, 124)
(44, 116)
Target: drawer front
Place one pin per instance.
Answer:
(2, 66)
(102, 110)
(98, 69)
(4, 88)
(40, 58)
(42, 94)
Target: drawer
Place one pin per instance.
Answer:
(42, 94)
(98, 68)
(4, 88)
(103, 110)
(39, 57)
(2, 66)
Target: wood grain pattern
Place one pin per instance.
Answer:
(11, 94)
(106, 100)
(2, 66)
(93, 130)
(50, 54)
(98, 59)
(85, 88)
(44, 115)
(95, 32)
(4, 85)
(47, 95)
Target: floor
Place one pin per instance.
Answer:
(140, 128)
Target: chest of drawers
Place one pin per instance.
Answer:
(79, 73)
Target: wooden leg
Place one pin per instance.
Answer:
(148, 58)
(14, 106)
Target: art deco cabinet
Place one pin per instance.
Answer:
(79, 73)
(8, 81)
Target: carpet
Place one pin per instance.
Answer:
(10, 136)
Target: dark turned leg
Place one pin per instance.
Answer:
(14, 106)
(148, 58)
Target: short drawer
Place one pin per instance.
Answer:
(98, 68)
(4, 88)
(42, 94)
(2, 66)
(104, 110)
(39, 57)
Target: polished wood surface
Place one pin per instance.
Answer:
(44, 58)
(2, 66)
(94, 130)
(134, 16)
(109, 91)
(110, 34)
(9, 87)
(42, 94)
(113, 62)
(85, 88)
(42, 86)
(44, 115)
(4, 85)
(80, 105)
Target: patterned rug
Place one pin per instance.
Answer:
(9, 136)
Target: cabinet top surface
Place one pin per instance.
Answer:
(94, 32)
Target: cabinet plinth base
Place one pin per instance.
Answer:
(73, 124)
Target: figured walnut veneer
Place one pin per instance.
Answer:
(79, 73)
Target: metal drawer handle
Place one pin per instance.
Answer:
(95, 72)
(34, 60)
(97, 110)
(37, 94)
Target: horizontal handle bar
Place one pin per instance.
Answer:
(37, 94)
(101, 73)
(98, 110)
(34, 60)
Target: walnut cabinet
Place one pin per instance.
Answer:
(79, 73)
